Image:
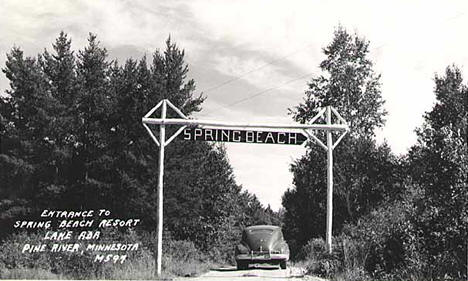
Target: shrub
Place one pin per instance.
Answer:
(319, 261)
(391, 245)
(346, 262)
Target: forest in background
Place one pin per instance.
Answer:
(69, 140)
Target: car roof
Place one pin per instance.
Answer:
(269, 227)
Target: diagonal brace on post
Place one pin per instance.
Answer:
(329, 147)
(162, 143)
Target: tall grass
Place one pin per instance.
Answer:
(180, 258)
(28, 273)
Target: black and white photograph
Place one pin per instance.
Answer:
(234, 140)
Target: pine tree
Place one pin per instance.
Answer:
(24, 129)
(59, 71)
(71, 138)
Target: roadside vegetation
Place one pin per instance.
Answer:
(395, 217)
(70, 140)
(180, 258)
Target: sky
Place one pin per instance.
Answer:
(253, 59)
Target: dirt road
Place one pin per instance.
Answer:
(254, 273)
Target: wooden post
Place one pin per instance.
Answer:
(329, 182)
(162, 142)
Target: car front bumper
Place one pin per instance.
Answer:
(263, 257)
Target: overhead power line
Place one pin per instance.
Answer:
(289, 81)
(255, 69)
(262, 92)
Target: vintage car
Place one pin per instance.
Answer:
(262, 244)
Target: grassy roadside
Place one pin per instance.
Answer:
(140, 269)
(180, 259)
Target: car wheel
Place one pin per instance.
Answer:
(283, 264)
(242, 265)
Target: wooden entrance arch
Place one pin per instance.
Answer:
(247, 133)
